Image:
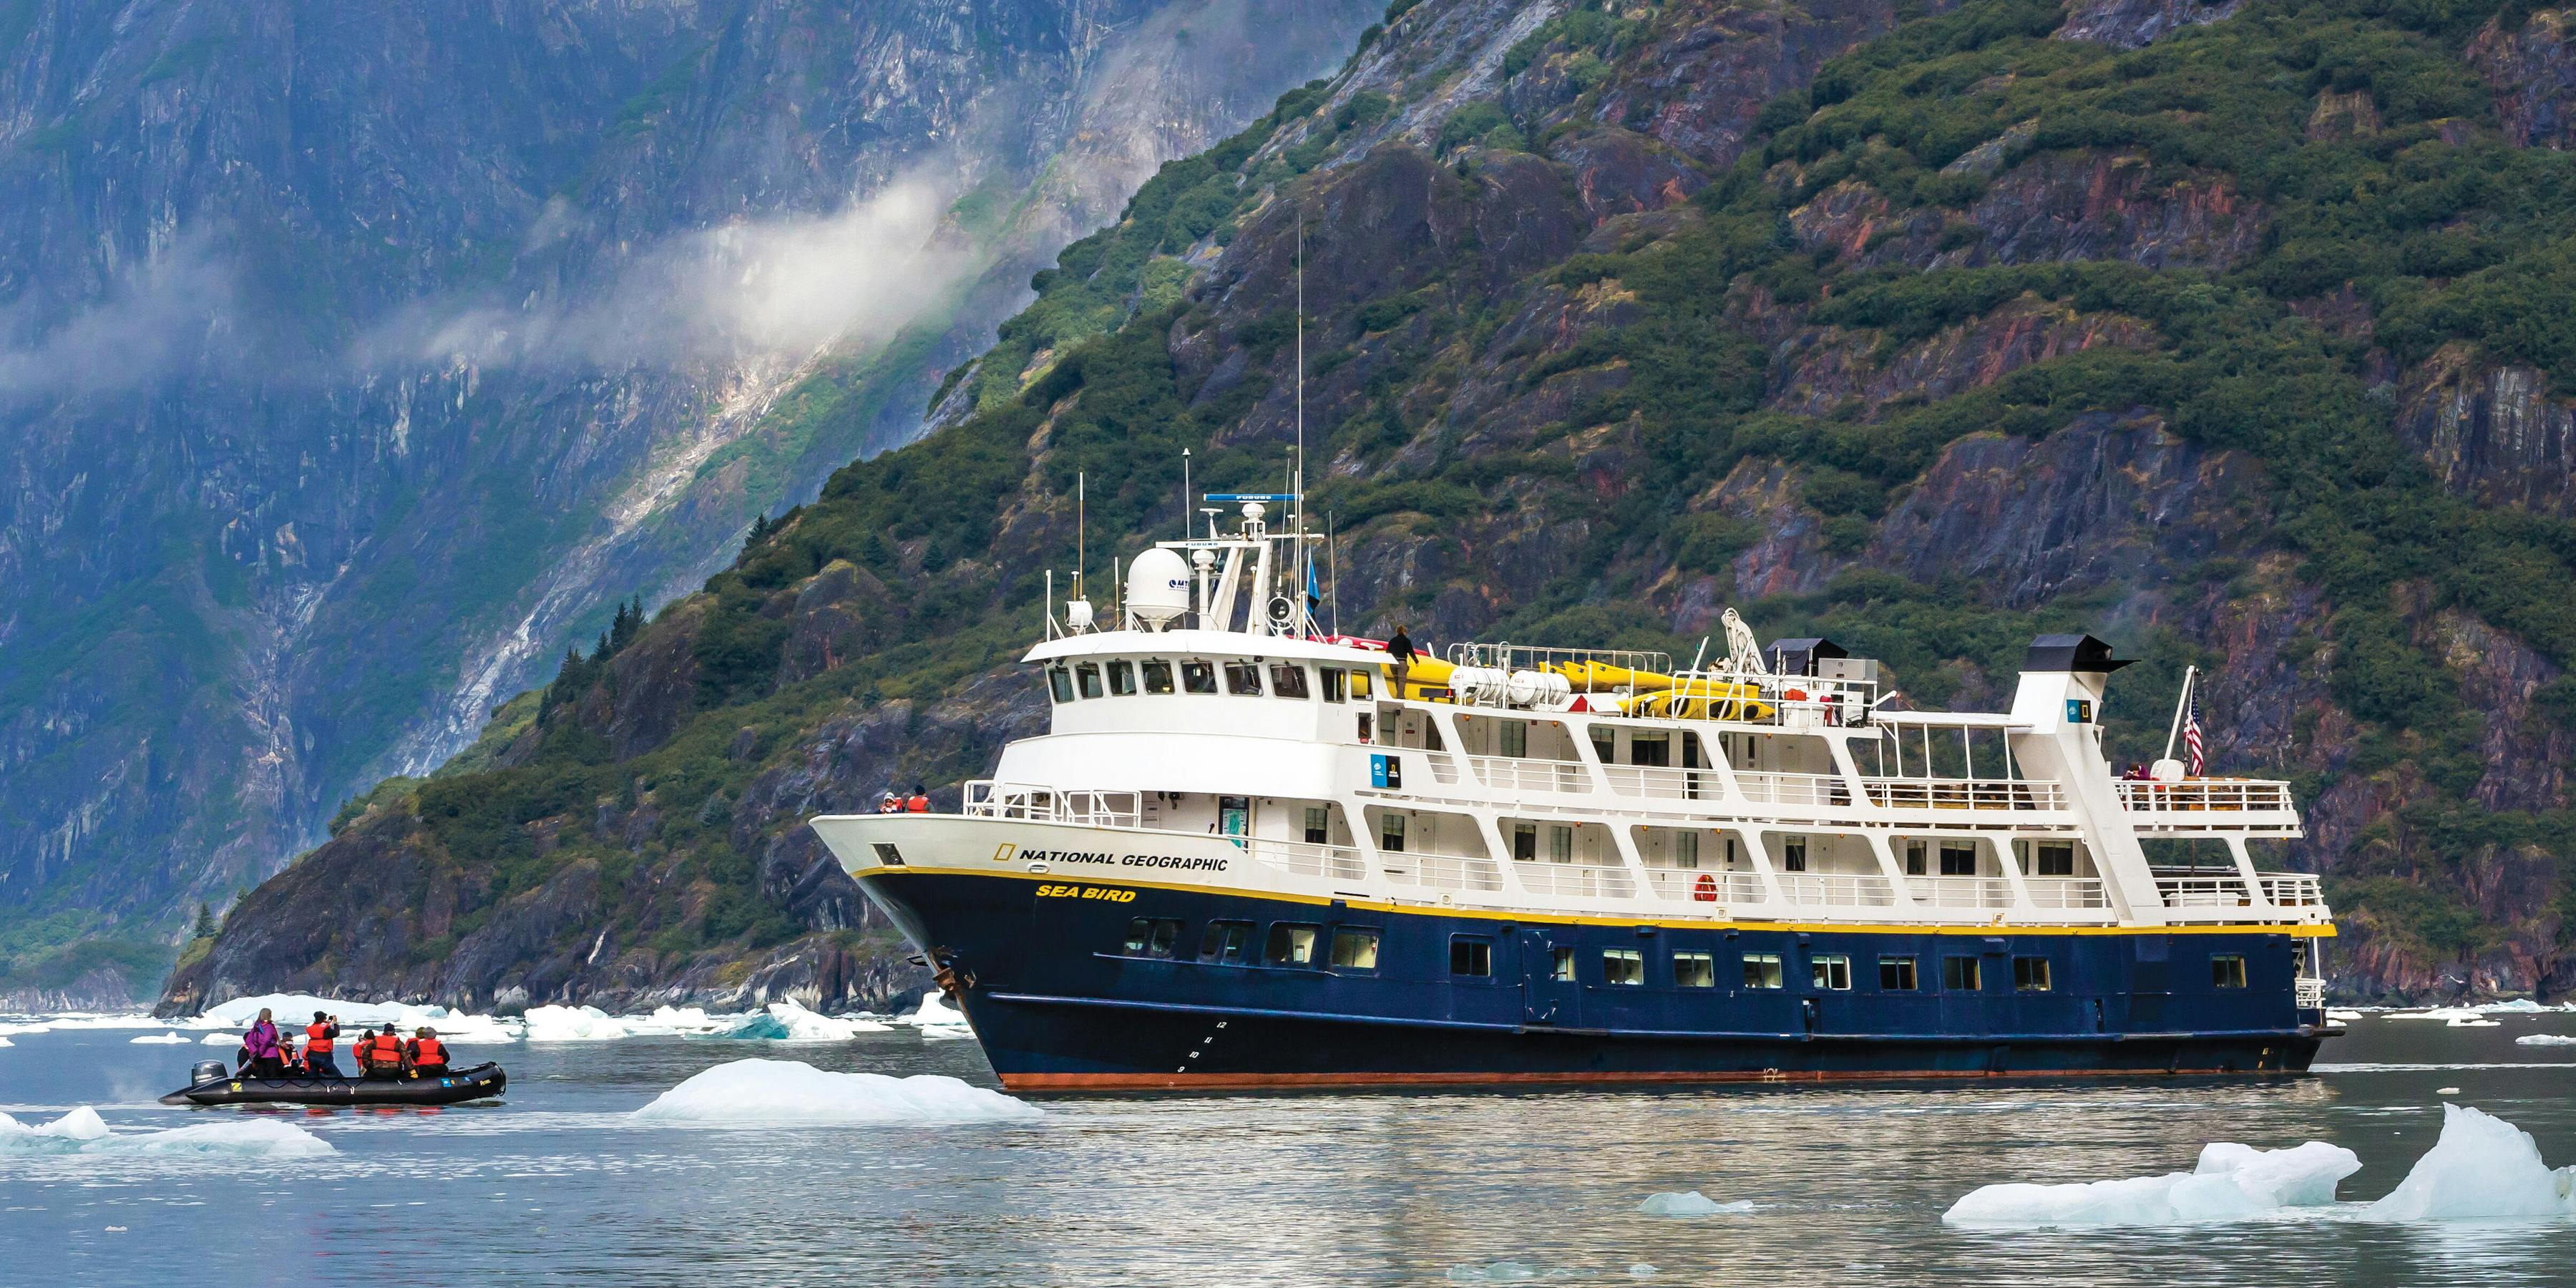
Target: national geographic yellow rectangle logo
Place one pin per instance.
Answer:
(1002, 853)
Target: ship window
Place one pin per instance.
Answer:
(1650, 748)
(1287, 680)
(1762, 970)
(1623, 966)
(1560, 844)
(1830, 971)
(1561, 966)
(1960, 973)
(1958, 859)
(1158, 677)
(2030, 974)
(1605, 744)
(1918, 858)
(1088, 676)
(1694, 970)
(1390, 833)
(1471, 956)
(1337, 685)
(1359, 684)
(1355, 949)
(1243, 677)
(1225, 941)
(1685, 849)
(1524, 842)
(2056, 860)
(1152, 937)
(1060, 683)
(1793, 854)
(1318, 826)
(2227, 970)
(1292, 944)
(1122, 678)
(1198, 677)
(1896, 974)
(1515, 737)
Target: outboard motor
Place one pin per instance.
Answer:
(206, 1071)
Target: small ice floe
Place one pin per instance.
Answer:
(1504, 1272)
(2515, 1006)
(221, 1039)
(792, 1091)
(82, 1132)
(2482, 1168)
(796, 1024)
(2343, 1017)
(2230, 1182)
(2545, 1039)
(6, 1042)
(936, 1019)
(158, 1039)
(1642, 1270)
(573, 1024)
(2446, 1091)
(1689, 1203)
(2445, 1014)
(292, 1010)
(2475, 1022)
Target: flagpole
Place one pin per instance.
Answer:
(2182, 702)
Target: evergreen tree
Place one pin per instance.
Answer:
(205, 927)
(629, 623)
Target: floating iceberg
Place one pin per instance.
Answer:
(2444, 1013)
(291, 1010)
(792, 1091)
(6, 1042)
(1689, 1203)
(2517, 1006)
(2343, 1016)
(936, 1019)
(82, 1131)
(2230, 1182)
(802, 1025)
(221, 1040)
(2475, 1022)
(2545, 1039)
(2482, 1168)
(158, 1039)
(573, 1024)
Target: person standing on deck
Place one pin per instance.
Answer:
(1400, 647)
(318, 1036)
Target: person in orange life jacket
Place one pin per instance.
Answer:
(381, 1055)
(889, 803)
(318, 1035)
(427, 1054)
(920, 802)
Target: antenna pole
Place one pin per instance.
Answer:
(2181, 701)
(1081, 492)
(1297, 480)
(1185, 494)
(1332, 573)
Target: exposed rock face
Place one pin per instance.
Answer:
(1816, 372)
(2491, 432)
(2533, 73)
(2135, 24)
(2051, 207)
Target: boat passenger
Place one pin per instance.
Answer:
(1399, 646)
(381, 1055)
(920, 802)
(427, 1054)
(317, 1046)
(259, 1047)
(889, 803)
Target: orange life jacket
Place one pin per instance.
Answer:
(317, 1040)
(384, 1048)
(919, 804)
(427, 1051)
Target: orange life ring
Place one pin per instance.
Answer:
(1705, 890)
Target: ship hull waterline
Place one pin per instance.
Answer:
(1040, 965)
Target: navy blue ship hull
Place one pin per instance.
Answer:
(1087, 985)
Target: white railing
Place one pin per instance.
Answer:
(1705, 885)
(1441, 871)
(1515, 774)
(2294, 889)
(1961, 892)
(990, 798)
(1670, 784)
(2067, 892)
(1306, 858)
(2203, 892)
(1836, 890)
(1964, 793)
(2308, 993)
(1580, 879)
(2206, 796)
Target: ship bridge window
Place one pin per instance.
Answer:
(1896, 974)
(1243, 677)
(1829, 971)
(1225, 941)
(1087, 676)
(1198, 677)
(1623, 966)
(1152, 937)
(2053, 860)
(1060, 683)
(1471, 956)
(1762, 970)
(1158, 677)
(1287, 680)
(1694, 970)
(1337, 685)
(1122, 678)
(1291, 944)
(1355, 948)
(2030, 975)
(2227, 970)
(1960, 973)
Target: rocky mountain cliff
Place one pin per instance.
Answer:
(2224, 331)
(357, 359)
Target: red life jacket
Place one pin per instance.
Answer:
(384, 1048)
(317, 1040)
(919, 804)
(427, 1051)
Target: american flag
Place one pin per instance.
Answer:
(2195, 754)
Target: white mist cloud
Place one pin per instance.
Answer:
(790, 284)
(156, 320)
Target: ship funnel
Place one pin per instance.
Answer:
(1158, 587)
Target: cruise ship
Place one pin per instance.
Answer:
(1249, 852)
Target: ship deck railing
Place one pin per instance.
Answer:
(1815, 791)
(2205, 894)
(1037, 803)
(2210, 805)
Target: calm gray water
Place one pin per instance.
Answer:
(557, 1186)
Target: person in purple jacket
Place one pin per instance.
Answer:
(259, 1052)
